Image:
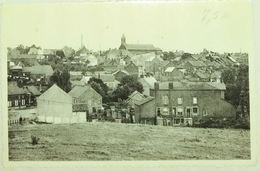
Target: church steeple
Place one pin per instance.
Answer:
(123, 39)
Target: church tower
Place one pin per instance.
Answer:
(123, 40)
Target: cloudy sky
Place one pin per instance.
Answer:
(191, 26)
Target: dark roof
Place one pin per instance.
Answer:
(13, 89)
(188, 85)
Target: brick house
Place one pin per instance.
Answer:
(172, 74)
(17, 97)
(188, 102)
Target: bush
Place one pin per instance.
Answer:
(35, 140)
(243, 123)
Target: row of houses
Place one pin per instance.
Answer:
(181, 103)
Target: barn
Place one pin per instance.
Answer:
(55, 106)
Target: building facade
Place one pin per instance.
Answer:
(184, 103)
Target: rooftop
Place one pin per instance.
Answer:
(188, 85)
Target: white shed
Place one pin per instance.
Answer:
(55, 106)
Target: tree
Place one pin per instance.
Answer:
(100, 87)
(60, 53)
(61, 77)
(237, 87)
(128, 85)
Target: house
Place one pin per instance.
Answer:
(33, 93)
(145, 112)
(17, 97)
(138, 48)
(120, 74)
(109, 80)
(148, 83)
(215, 76)
(39, 71)
(192, 65)
(85, 79)
(55, 106)
(25, 59)
(90, 59)
(76, 83)
(185, 103)
(172, 74)
(153, 64)
(49, 53)
(135, 97)
(132, 69)
(85, 99)
(76, 75)
(117, 54)
(202, 76)
(33, 51)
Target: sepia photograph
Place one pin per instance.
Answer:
(127, 80)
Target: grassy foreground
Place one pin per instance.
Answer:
(112, 141)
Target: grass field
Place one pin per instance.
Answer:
(112, 141)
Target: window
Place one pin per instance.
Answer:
(158, 111)
(179, 100)
(165, 111)
(195, 100)
(195, 110)
(16, 102)
(75, 100)
(23, 101)
(188, 111)
(165, 99)
(174, 111)
(180, 111)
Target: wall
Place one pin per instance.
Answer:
(145, 111)
(209, 102)
(54, 111)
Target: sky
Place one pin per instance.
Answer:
(222, 26)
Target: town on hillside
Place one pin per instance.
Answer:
(133, 83)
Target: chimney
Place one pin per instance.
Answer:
(170, 86)
(156, 86)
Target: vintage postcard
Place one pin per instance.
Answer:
(128, 83)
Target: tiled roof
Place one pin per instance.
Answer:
(39, 69)
(188, 85)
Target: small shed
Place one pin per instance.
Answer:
(55, 106)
